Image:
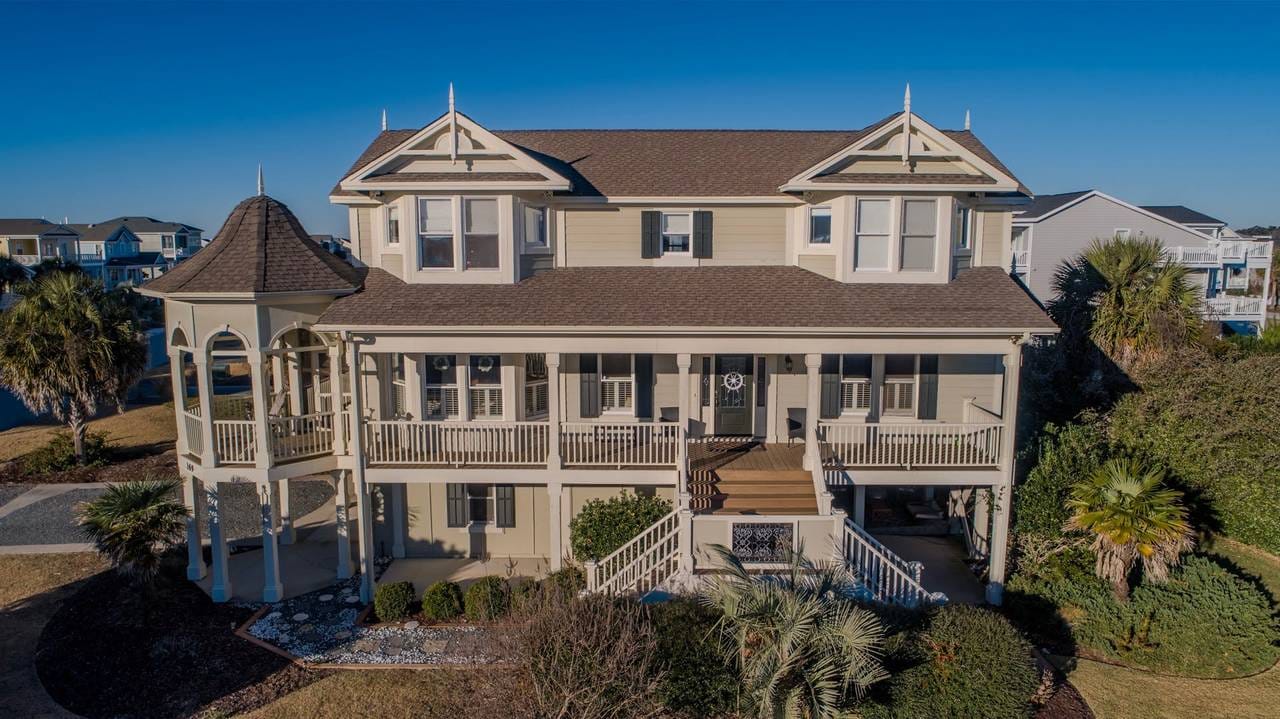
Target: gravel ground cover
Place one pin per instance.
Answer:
(321, 628)
(49, 521)
(10, 492)
(240, 502)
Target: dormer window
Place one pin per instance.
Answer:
(535, 226)
(919, 234)
(480, 234)
(871, 241)
(677, 228)
(435, 233)
(820, 225)
(393, 225)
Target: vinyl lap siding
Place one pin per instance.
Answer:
(611, 237)
(364, 226)
(824, 265)
(995, 239)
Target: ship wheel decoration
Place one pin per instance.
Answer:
(733, 383)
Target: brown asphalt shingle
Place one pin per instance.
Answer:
(891, 178)
(730, 296)
(261, 248)
(459, 177)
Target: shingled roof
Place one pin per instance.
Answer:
(983, 298)
(680, 163)
(261, 248)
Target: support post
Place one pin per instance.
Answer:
(335, 398)
(269, 505)
(398, 517)
(812, 408)
(288, 533)
(555, 523)
(293, 365)
(179, 400)
(365, 521)
(204, 386)
(998, 552)
(860, 505)
(261, 407)
(683, 362)
(342, 508)
(220, 591)
(195, 552)
(685, 538)
(553, 424)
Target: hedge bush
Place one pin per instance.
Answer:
(487, 599)
(1207, 621)
(696, 677)
(442, 601)
(60, 453)
(1065, 455)
(958, 661)
(392, 601)
(604, 525)
(568, 581)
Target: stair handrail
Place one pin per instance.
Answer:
(624, 569)
(888, 577)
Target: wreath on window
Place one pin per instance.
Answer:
(441, 363)
(485, 363)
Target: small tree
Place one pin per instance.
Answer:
(11, 273)
(133, 523)
(66, 346)
(1133, 518)
(802, 646)
(604, 525)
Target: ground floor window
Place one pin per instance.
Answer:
(616, 383)
(481, 505)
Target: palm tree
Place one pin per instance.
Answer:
(133, 523)
(1125, 297)
(803, 648)
(11, 273)
(66, 346)
(1133, 518)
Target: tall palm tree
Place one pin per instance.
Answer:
(66, 346)
(133, 523)
(803, 648)
(1133, 518)
(1124, 296)
(11, 273)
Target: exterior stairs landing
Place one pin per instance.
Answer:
(762, 491)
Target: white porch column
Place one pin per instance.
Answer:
(179, 400)
(204, 386)
(342, 505)
(261, 408)
(195, 552)
(335, 398)
(288, 535)
(553, 429)
(860, 505)
(683, 362)
(413, 386)
(398, 516)
(293, 365)
(365, 521)
(812, 408)
(268, 506)
(220, 591)
(999, 550)
(555, 523)
(981, 519)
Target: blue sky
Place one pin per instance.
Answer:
(165, 109)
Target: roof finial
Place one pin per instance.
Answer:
(384, 119)
(906, 125)
(453, 129)
(966, 119)
(906, 99)
(261, 187)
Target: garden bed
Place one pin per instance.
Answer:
(164, 464)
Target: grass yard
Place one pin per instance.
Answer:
(139, 428)
(1119, 693)
(26, 575)
(404, 694)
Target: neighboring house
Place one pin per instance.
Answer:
(794, 336)
(1232, 272)
(31, 242)
(174, 241)
(339, 246)
(111, 252)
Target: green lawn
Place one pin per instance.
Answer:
(137, 428)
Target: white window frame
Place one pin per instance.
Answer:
(460, 234)
(902, 233)
(443, 392)
(536, 393)
(964, 223)
(543, 210)
(809, 226)
(490, 499)
(854, 389)
(399, 406)
(486, 392)
(662, 234)
(888, 237)
(898, 381)
(390, 215)
(1122, 232)
(630, 383)
(419, 235)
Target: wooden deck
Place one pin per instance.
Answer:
(740, 476)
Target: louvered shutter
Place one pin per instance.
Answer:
(928, 387)
(505, 504)
(830, 371)
(644, 386)
(456, 504)
(702, 233)
(589, 392)
(650, 234)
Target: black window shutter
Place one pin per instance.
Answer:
(505, 504)
(644, 386)
(928, 387)
(456, 504)
(830, 370)
(589, 396)
(650, 234)
(702, 233)
(706, 382)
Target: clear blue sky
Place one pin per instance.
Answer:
(166, 109)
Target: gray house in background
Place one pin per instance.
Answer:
(1233, 272)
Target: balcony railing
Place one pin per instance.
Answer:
(910, 445)
(1021, 259)
(622, 444)
(404, 442)
(194, 432)
(235, 441)
(309, 435)
(27, 260)
(1223, 308)
(1229, 252)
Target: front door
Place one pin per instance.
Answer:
(734, 408)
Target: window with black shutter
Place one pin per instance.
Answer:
(456, 504)
(505, 504)
(650, 234)
(589, 386)
(702, 233)
(706, 381)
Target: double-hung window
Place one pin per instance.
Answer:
(440, 387)
(397, 386)
(677, 231)
(393, 225)
(435, 232)
(855, 383)
(486, 386)
(480, 233)
(616, 385)
(166, 241)
(820, 225)
(535, 386)
(535, 226)
(871, 239)
(919, 234)
(899, 389)
(480, 505)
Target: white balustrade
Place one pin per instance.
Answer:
(911, 445)
(1227, 306)
(308, 435)
(456, 443)
(234, 441)
(194, 432)
(621, 444)
(27, 260)
(641, 564)
(889, 578)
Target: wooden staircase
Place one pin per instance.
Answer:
(730, 477)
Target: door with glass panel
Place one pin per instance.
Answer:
(733, 394)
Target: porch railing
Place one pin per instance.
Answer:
(456, 443)
(886, 576)
(619, 444)
(308, 435)
(194, 432)
(234, 441)
(27, 260)
(641, 564)
(1222, 307)
(910, 445)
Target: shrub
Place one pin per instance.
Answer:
(958, 661)
(487, 599)
(568, 581)
(604, 525)
(587, 657)
(1066, 455)
(524, 593)
(441, 601)
(60, 453)
(695, 677)
(1207, 620)
(392, 601)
